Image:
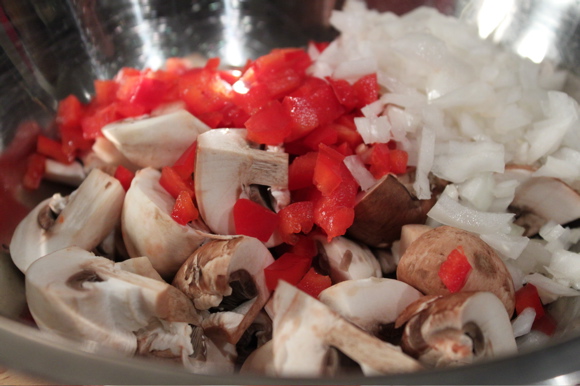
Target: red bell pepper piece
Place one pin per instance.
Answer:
(328, 169)
(304, 246)
(454, 271)
(527, 297)
(270, 125)
(184, 211)
(105, 92)
(345, 93)
(326, 134)
(185, 164)
(173, 183)
(52, 149)
(125, 176)
(301, 171)
(314, 283)
(288, 267)
(35, 167)
(93, 123)
(366, 90)
(546, 324)
(69, 113)
(204, 92)
(295, 218)
(252, 219)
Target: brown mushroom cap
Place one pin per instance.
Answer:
(420, 264)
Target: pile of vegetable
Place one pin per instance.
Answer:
(401, 195)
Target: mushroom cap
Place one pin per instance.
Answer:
(90, 215)
(347, 259)
(419, 266)
(226, 277)
(369, 303)
(226, 164)
(155, 141)
(149, 230)
(78, 295)
(384, 209)
(458, 328)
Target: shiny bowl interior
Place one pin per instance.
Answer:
(55, 47)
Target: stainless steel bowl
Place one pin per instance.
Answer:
(52, 48)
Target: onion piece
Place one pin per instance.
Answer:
(522, 324)
(549, 289)
(359, 171)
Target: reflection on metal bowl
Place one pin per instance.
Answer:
(53, 48)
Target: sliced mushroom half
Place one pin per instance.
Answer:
(345, 259)
(420, 264)
(84, 297)
(155, 141)
(226, 277)
(459, 328)
(225, 166)
(541, 199)
(372, 304)
(149, 230)
(306, 329)
(384, 209)
(83, 219)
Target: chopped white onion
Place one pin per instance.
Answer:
(549, 289)
(522, 324)
(359, 171)
(374, 129)
(506, 245)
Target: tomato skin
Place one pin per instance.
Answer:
(252, 219)
(52, 149)
(527, 297)
(125, 176)
(314, 283)
(288, 267)
(454, 271)
(270, 125)
(184, 211)
(174, 184)
(295, 218)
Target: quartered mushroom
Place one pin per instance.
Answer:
(456, 329)
(306, 330)
(211, 356)
(226, 165)
(538, 200)
(420, 264)
(155, 141)
(72, 174)
(260, 361)
(149, 230)
(226, 278)
(345, 259)
(83, 219)
(372, 304)
(384, 209)
(84, 297)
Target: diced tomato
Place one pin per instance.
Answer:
(184, 210)
(105, 92)
(52, 149)
(288, 267)
(454, 271)
(301, 171)
(304, 246)
(527, 297)
(35, 167)
(185, 164)
(270, 125)
(173, 183)
(125, 176)
(69, 113)
(92, 124)
(345, 93)
(314, 283)
(328, 169)
(295, 218)
(366, 90)
(252, 219)
(546, 324)
(322, 134)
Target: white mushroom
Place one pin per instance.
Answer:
(72, 174)
(260, 361)
(226, 277)
(89, 214)
(149, 230)
(225, 166)
(541, 199)
(305, 330)
(84, 297)
(372, 304)
(211, 356)
(459, 328)
(155, 141)
(346, 259)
